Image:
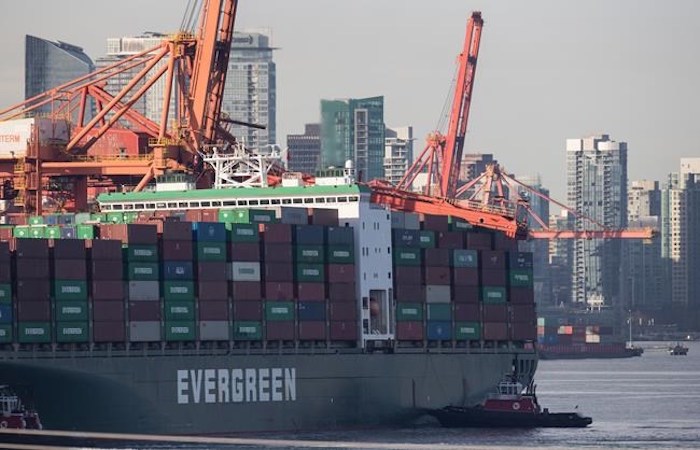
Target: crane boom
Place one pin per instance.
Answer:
(629, 233)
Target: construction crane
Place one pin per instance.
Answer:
(194, 67)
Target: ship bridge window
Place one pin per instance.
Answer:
(275, 201)
(331, 200)
(172, 205)
(286, 201)
(182, 205)
(150, 206)
(354, 199)
(265, 202)
(194, 205)
(160, 205)
(308, 200)
(296, 200)
(117, 207)
(129, 206)
(253, 202)
(241, 203)
(321, 200)
(230, 203)
(342, 199)
(206, 204)
(216, 204)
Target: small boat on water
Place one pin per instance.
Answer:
(508, 408)
(13, 414)
(678, 350)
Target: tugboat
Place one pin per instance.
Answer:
(678, 350)
(13, 414)
(508, 408)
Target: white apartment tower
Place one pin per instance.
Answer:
(398, 153)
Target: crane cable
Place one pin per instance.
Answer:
(191, 16)
(447, 105)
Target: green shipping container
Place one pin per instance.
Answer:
(179, 311)
(21, 231)
(470, 331)
(98, 217)
(520, 277)
(81, 218)
(457, 224)
(178, 290)
(340, 254)
(180, 331)
(279, 311)
(36, 220)
(5, 334)
(211, 251)
(141, 253)
(247, 215)
(409, 312)
(493, 295)
(72, 332)
(247, 331)
(310, 273)
(465, 258)
(426, 239)
(71, 311)
(310, 254)
(439, 311)
(243, 232)
(85, 231)
(37, 232)
(70, 290)
(130, 217)
(115, 217)
(34, 332)
(407, 256)
(142, 271)
(52, 232)
(5, 293)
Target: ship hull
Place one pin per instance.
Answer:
(210, 394)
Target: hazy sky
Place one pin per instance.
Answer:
(548, 69)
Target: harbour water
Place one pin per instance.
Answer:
(647, 402)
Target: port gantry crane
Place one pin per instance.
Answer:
(194, 66)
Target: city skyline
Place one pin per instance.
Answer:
(542, 76)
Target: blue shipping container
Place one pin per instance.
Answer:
(209, 231)
(406, 238)
(68, 233)
(310, 235)
(340, 236)
(5, 313)
(177, 270)
(312, 311)
(439, 330)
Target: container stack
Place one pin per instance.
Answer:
(178, 281)
(278, 274)
(33, 291)
(246, 282)
(6, 303)
(341, 281)
(106, 278)
(70, 291)
(523, 317)
(310, 279)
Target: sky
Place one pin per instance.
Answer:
(548, 70)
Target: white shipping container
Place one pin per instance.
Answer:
(213, 330)
(397, 219)
(412, 221)
(143, 291)
(148, 331)
(15, 134)
(244, 271)
(435, 293)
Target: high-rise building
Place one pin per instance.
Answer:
(560, 260)
(304, 150)
(49, 64)
(597, 188)
(398, 153)
(353, 130)
(250, 93)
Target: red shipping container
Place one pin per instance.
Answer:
(68, 249)
(17, 219)
(342, 292)
(450, 239)
(409, 293)
(280, 233)
(247, 311)
(70, 269)
(245, 251)
(323, 216)
(5, 272)
(33, 290)
(108, 331)
(5, 256)
(210, 215)
(279, 331)
(523, 332)
(523, 314)
(310, 292)
(521, 295)
(465, 294)
(343, 311)
(194, 215)
(409, 331)
(212, 290)
(344, 331)
(213, 310)
(341, 273)
(408, 274)
(6, 235)
(246, 290)
(107, 270)
(312, 331)
(495, 313)
(178, 250)
(434, 223)
(278, 253)
(467, 312)
(492, 259)
(106, 311)
(279, 290)
(105, 249)
(34, 311)
(437, 275)
(144, 311)
(479, 240)
(107, 290)
(132, 233)
(177, 231)
(465, 276)
(212, 271)
(437, 257)
(495, 331)
(32, 269)
(279, 272)
(30, 248)
(493, 277)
